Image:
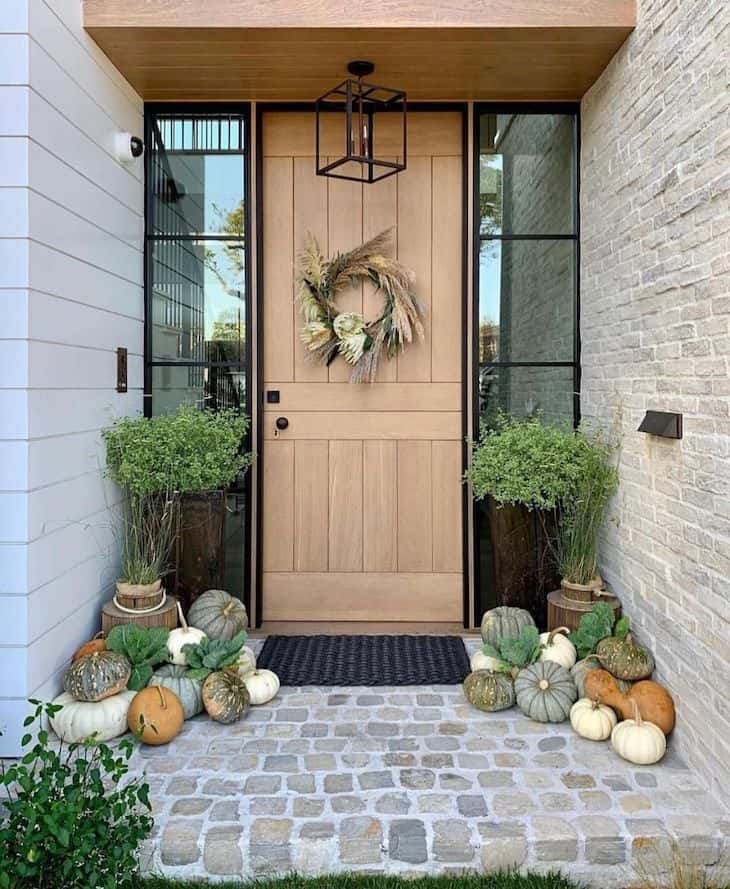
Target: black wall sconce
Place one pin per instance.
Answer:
(662, 423)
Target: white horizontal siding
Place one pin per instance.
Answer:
(71, 292)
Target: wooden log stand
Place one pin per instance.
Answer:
(567, 605)
(112, 616)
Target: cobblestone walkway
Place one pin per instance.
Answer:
(407, 780)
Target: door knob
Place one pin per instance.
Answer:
(282, 423)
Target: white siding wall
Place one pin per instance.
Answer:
(71, 228)
(655, 199)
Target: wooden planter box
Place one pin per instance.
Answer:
(200, 556)
(516, 565)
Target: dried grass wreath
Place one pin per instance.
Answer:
(328, 332)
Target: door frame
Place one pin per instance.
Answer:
(464, 109)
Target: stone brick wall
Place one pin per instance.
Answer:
(655, 324)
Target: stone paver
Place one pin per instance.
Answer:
(412, 780)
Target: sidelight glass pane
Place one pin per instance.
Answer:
(198, 305)
(527, 174)
(196, 176)
(526, 392)
(526, 300)
(216, 388)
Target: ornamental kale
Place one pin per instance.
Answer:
(596, 625)
(514, 654)
(210, 655)
(144, 648)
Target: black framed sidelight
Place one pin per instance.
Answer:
(526, 348)
(198, 281)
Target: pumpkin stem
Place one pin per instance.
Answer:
(181, 616)
(544, 684)
(163, 702)
(637, 715)
(227, 608)
(557, 630)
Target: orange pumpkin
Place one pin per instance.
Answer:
(98, 643)
(653, 700)
(159, 713)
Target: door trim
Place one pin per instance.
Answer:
(260, 110)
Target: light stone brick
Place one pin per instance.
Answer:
(654, 331)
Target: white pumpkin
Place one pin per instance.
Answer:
(262, 686)
(637, 741)
(592, 720)
(558, 648)
(183, 635)
(246, 662)
(78, 720)
(481, 661)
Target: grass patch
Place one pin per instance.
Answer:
(344, 881)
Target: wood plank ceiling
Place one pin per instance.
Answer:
(194, 50)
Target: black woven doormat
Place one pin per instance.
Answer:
(366, 660)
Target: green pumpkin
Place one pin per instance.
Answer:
(545, 692)
(489, 691)
(225, 696)
(189, 691)
(96, 676)
(580, 670)
(624, 659)
(504, 623)
(218, 615)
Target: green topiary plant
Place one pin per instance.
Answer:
(552, 469)
(68, 820)
(188, 451)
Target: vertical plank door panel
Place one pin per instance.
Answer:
(415, 525)
(279, 328)
(447, 498)
(345, 481)
(278, 517)
(311, 505)
(380, 513)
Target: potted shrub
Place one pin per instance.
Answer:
(562, 476)
(196, 454)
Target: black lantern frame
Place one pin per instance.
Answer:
(359, 102)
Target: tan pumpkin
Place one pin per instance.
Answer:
(225, 696)
(158, 712)
(96, 676)
(653, 700)
(642, 743)
(98, 643)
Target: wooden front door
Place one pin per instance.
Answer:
(362, 494)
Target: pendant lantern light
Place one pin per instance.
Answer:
(355, 104)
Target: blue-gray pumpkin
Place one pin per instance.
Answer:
(218, 615)
(188, 690)
(545, 692)
(504, 622)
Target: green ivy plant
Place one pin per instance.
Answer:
(514, 654)
(185, 452)
(67, 819)
(210, 655)
(144, 648)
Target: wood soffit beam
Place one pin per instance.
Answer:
(198, 50)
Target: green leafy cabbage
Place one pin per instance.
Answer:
(210, 655)
(144, 648)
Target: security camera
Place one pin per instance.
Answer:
(128, 147)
